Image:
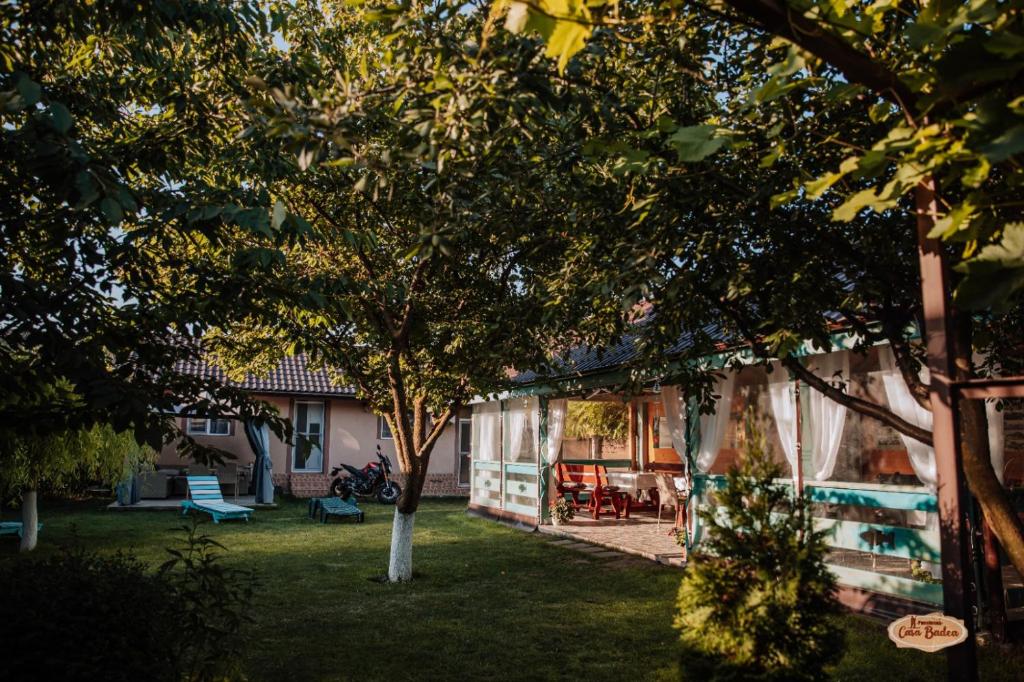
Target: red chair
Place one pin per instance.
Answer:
(603, 493)
(569, 481)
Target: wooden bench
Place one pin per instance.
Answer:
(569, 481)
(575, 479)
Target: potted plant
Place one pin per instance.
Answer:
(562, 511)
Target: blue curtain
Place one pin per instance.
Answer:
(259, 441)
(128, 491)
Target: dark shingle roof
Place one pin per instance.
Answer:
(590, 359)
(292, 376)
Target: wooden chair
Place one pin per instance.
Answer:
(603, 493)
(568, 481)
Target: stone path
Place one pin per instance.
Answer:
(611, 538)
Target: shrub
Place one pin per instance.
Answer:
(562, 510)
(757, 601)
(82, 616)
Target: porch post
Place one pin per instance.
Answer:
(957, 587)
(543, 465)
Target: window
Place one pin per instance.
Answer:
(308, 452)
(209, 427)
(383, 430)
(465, 450)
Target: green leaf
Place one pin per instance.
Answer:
(977, 175)
(1006, 145)
(783, 198)
(994, 276)
(60, 118)
(956, 220)
(563, 24)
(695, 143)
(112, 211)
(279, 215)
(849, 209)
(29, 90)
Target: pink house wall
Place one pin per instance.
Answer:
(351, 438)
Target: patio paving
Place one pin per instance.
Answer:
(165, 504)
(638, 535)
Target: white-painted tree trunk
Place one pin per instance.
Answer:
(400, 565)
(29, 521)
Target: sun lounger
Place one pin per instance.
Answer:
(335, 506)
(14, 528)
(204, 492)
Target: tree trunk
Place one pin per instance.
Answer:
(977, 457)
(982, 480)
(29, 521)
(400, 565)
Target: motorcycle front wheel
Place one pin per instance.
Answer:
(389, 493)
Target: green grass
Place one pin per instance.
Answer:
(488, 601)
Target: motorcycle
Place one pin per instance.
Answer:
(373, 480)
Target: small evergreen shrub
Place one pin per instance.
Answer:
(79, 615)
(757, 601)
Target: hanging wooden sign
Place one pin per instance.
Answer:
(932, 632)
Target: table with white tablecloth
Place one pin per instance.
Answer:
(632, 482)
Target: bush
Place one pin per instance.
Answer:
(82, 616)
(757, 601)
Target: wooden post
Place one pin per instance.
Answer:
(631, 438)
(957, 587)
(799, 442)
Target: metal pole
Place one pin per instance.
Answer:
(957, 588)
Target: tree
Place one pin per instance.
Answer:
(112, 122)
(433, 197)
(757, 600)
(916, 117)
(58, 460)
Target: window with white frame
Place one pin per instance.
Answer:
(209, 427)
(465, 450)
(383, 430)
(308, 451)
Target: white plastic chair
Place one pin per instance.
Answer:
(668, 495)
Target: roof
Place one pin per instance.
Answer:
(293, 376)
(584, 360)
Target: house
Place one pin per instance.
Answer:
(342, 429)
(874, 488)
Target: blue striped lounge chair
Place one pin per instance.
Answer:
(204, 495)
(15, 528)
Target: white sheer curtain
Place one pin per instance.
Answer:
(487, 432)
(519, 418)
(995, 428)
(674, 402)
(995, 438)
(826, 418)
(712, 426)
(556, 427)
(783, 400)
(902, 403)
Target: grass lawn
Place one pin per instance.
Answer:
(488, 601)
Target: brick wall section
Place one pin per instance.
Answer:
(318, 485)
(438, 485)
